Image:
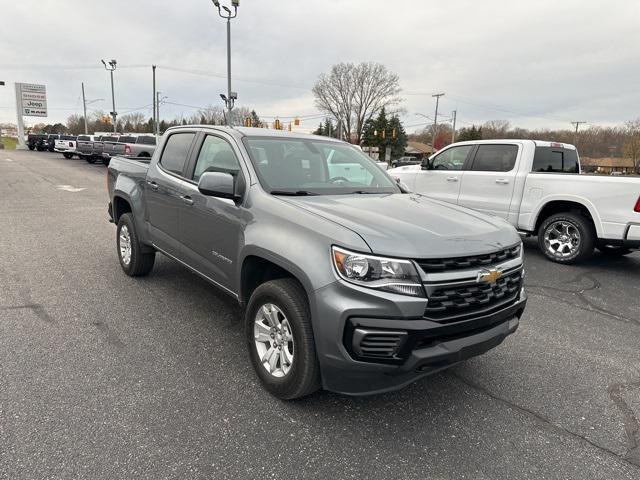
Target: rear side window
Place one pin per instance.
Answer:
(555, 160)
(495, 158)
(174, 155)
(146, 140)
(127, 139)
(84, 138)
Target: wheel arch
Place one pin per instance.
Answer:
(560, 205)
(258, 266)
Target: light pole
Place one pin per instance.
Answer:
(111, 67)
(435, 120)
(230, 98)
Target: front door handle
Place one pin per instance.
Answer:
(153, 186)
(187, 200)
(452, 179)
(502, 181)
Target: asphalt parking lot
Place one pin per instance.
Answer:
(104, 376)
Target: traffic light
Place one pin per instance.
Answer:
(384, 133)
(296, 122)
(289, 126)
(277, 125)
(394, 133)
(247, 122)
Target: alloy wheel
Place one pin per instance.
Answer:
(562, 239)
(273, 338)
(125, 245)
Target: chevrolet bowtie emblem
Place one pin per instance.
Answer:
(489, 276)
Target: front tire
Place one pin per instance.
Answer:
(68, 156)
(90, 160)
(567, 238)
(280, 339)
(134, 261)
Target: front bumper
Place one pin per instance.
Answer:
(426, 347)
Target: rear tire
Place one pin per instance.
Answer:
(134, 261)
(31, 147)
(278, 315)
(90, 160)
(567, 238)
(68, 156)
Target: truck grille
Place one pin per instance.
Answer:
(459, 263)
(452, 302)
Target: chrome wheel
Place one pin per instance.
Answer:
(273, 340)
(562, 239)
(125, 245)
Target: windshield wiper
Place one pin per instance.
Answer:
(365, 192)
(292, 193)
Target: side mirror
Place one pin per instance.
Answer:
(218, 184)
(426, 164)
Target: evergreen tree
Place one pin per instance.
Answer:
(255, 119)
(472, 133)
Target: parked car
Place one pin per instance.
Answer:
(51, 141)
(36, 141)
(66, 145)
(403, 161)
(143, 146)
(347, 282)
(537, 187)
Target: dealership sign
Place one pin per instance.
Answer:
(32, 99)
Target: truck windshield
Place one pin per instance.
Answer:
(291, 166)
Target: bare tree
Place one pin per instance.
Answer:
(352, 94)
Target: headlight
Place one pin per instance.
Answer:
(388, 274)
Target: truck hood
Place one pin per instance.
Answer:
(412, 225)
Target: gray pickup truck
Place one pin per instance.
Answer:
(142, 146)
(109, 148)
(350, 284)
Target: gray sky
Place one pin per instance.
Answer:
(537, 64)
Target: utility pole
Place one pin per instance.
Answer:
(575, 135)
(1, 144)
(435, 120)
(158, 113)
(155, 118)
(230, 98)
(453, 133)
(114, 114)
(84, 108)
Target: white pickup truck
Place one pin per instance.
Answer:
(66, 145)
(538, 188)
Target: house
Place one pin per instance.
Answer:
(607, 165)
(418, 149)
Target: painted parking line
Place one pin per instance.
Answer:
(8, 160)
(69, 188)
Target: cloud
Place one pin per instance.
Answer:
(537, 64)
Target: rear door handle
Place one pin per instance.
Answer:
(452, 179)
(187, 200)
(153, 186)
(502, 181)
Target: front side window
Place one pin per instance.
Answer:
(451, 159)
(315, 167)
(176, 149)
(495, 158)
(216, 155)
